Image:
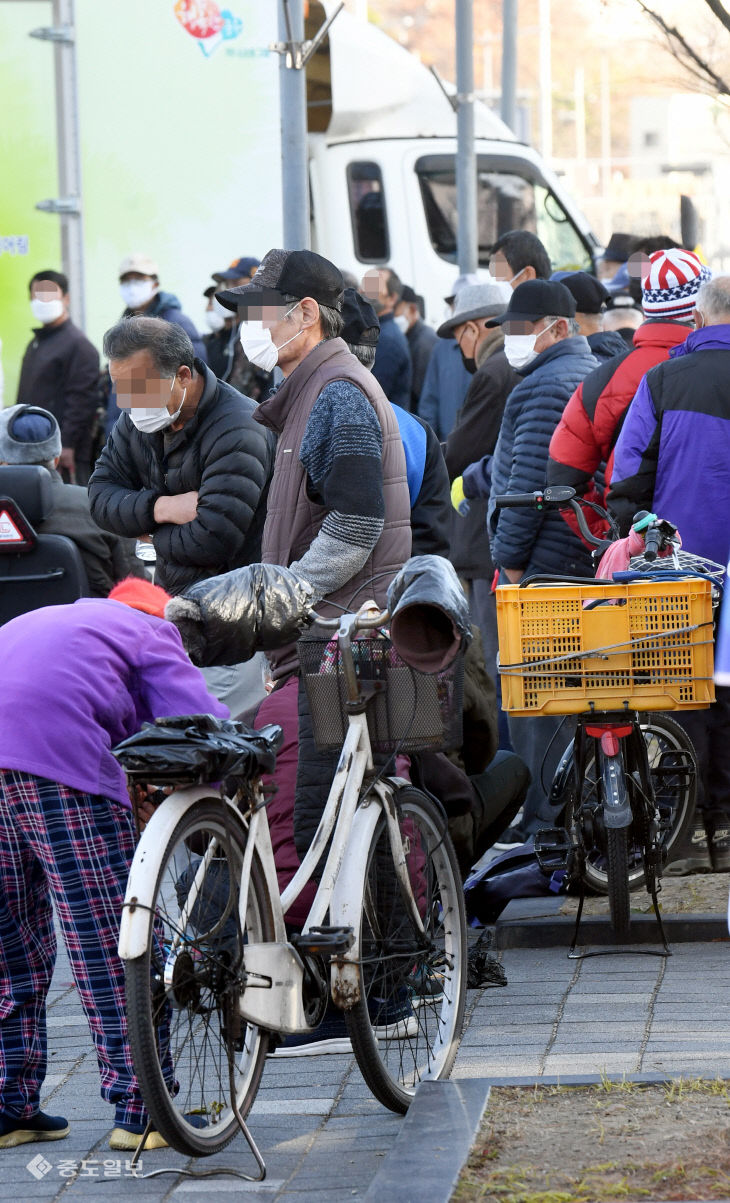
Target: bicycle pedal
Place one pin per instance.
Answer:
(553, 849)
(324, 941)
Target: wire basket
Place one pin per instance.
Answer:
(684, 563)
(409, 710)
(644, 645)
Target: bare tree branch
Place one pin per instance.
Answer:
(720, 12)
(697, 65)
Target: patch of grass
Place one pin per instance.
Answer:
(667, 1141)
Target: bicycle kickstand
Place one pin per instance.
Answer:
(220, 1170)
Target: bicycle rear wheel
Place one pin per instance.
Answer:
(182, 994)
(407, 1025)
(617, 856)
(673, 776)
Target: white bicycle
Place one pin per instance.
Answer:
(210, 971)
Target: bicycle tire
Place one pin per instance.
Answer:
(407, 1023)
(663, 736)
(675, 796)
(619, 899)
(181, 992)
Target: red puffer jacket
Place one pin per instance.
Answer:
(586, 434)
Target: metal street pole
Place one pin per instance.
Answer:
(294, 159)
(508, 107)
(68, 202)
(466, 167)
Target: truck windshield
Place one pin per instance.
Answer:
(507, 199)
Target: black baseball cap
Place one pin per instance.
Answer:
(589, 294)
(362, 327)
(285, 274)
(536, 299)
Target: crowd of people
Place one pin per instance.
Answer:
(322, 425)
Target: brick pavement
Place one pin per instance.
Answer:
(322, 1134)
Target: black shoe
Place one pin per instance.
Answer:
(719, 846)
(35, 1127)
(513, 837)
(691, 854)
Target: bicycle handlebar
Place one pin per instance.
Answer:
(363, 619)
(554, 497)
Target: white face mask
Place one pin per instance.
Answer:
(136, 293)
(46, 311)
(150, 420)
(213, 320)
(520, 348)
(402, 323)
(258, 345)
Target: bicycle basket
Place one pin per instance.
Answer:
(685, 563)
(566, 649)
(410, 710)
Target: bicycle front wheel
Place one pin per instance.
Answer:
(407, 1025)
(192, 1051)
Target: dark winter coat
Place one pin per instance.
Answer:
(421, 340)
(428, 486)
(60, 372)
(445, 387)
(673, 453)
(529, 539)
(392, 367)
(605, 344)
(222, 453)
(107, 558)
(475, 434)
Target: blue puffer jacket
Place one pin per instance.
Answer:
(524, 538)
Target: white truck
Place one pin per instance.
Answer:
(176, 130)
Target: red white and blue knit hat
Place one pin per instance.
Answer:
(670, 287)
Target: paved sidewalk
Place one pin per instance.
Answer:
(324, 1137)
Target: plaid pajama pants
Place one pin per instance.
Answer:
(76, 849)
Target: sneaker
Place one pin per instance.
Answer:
(34, 1127)
(719, 846)
(393, 1018)
(330, 1036)
(126, 1137)
(690, 855)
(513, 837)
(424, 986)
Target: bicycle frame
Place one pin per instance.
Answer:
(274, 970)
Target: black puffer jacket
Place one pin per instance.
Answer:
(221, 453)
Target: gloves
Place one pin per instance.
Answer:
(458, 500)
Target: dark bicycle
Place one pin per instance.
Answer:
(613, 652)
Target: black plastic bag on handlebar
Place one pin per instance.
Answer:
(198, 747)
(228, 618)
(429, 613)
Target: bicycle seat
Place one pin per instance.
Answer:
(198, 747)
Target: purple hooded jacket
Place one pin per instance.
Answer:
(78, 679)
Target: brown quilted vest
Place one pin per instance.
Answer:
(292, 520)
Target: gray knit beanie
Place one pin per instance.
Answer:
(28, 435)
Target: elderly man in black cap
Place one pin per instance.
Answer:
(544, 347)
(591, 299)
(338, 509)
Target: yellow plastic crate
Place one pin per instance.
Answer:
(564, 649)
